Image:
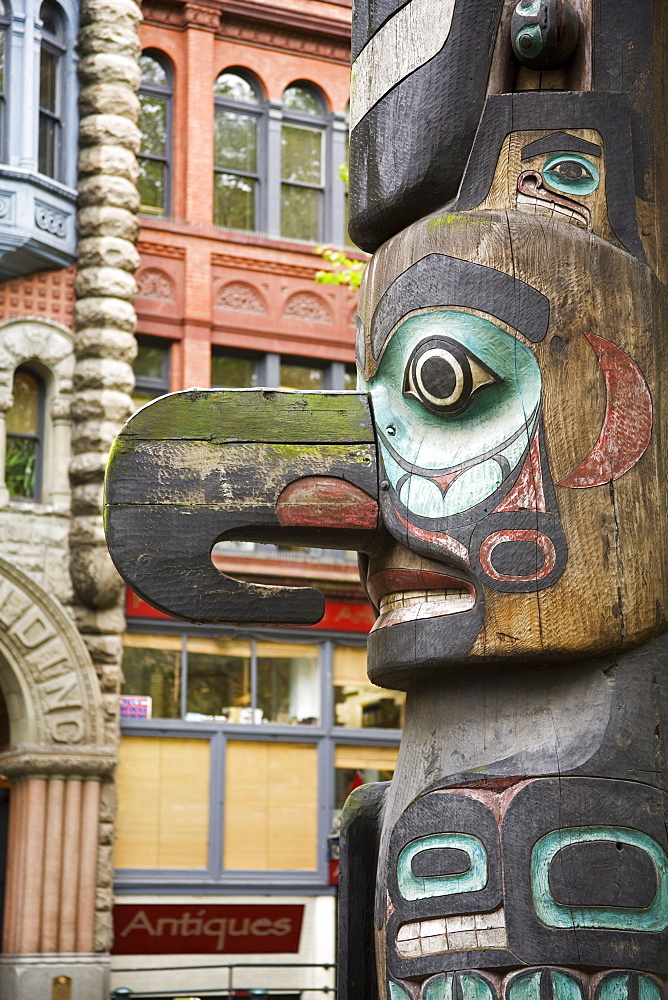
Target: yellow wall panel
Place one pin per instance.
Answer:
(271, 806)
(163, 803)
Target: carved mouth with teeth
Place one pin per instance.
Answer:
(403, 595)
(446, 934)
(533, 196)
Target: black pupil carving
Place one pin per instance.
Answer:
(571, 170)
(438, 377)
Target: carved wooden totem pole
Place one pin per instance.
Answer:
(502, 471)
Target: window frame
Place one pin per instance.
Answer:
(157, 387)
(259, 112)
(5, 31)
(314, 122)
(163, 92)
(326, 736)
(54, 45)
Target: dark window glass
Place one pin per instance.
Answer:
(230, 372)
(236, 138)
(50, 86)
(24, 431)
(350, 378)
(297, 376)
(151, 368)
(154, 125)
(302, 169)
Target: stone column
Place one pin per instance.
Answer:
(53, 851)
(105, 347)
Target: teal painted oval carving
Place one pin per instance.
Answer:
(527, 986)
(653, 918)
(472, 880)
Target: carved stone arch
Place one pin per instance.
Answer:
(155, 284)
(46, 676)
(308, 308)
(240, 296)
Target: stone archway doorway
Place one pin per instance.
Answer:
(54, 760)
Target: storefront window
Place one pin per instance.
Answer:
(359, 765)
(152, 668)
(219, 680)
(288, 688)
(359, 703)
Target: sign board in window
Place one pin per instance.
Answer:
(193, 929)
(136, 706)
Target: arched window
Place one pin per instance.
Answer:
(238, 140)
(303, 152)
(155, 95)
(25, 428)
(52, 49)
(4, 52)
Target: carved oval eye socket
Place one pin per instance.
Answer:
(570, 174)
(528, 8)
(444, 377)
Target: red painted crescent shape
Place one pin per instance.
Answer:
(627, 424)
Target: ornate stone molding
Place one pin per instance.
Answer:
(271, 267)
(307, 308)
(48, 673)
(153, 283)
(25, 761)
(161, 250)
(237, 296)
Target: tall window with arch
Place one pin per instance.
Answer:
(155, 96)
(25, 429)
(238, 142)
(5, 17)
(52, 50)
(303, 136)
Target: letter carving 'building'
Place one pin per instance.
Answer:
(503, 478)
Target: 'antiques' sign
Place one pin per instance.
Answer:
(200, 930)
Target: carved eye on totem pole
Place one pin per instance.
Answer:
(544, 33)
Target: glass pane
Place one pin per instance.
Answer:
(48, 80)
(51, 18)
(2, 59)
(300, 99)
(48, 135)
(346, 780)
(300, 213)
(288, 683)
(350, 379)
(235, 88)
(153, 125)
(219, 679)
(21, 467)
(300, 377)
(151, 186)
(235, 141)
(152, 71)
(232, 373)
(301, 154)
(150, 362)
(358, 702)
(23, 418)
(152, 667)
(234, 202)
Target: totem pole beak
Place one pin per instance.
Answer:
(196, 467)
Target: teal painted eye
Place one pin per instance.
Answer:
(528, 8)
(528, 42)
(472, 879)
(570, 174)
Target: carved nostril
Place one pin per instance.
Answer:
(529, 181)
